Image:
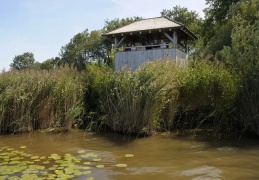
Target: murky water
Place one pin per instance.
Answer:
(157, 157)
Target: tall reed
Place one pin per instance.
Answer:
(32, 99)
(133, 102)
(159, 96)
(207, 96)
(248, 102)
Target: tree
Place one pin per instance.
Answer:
(190, 19)
(243, 54)
(50, 63)
(242, 58)
(23, 61)
(217, 14)
(218, 10)
(118, 23)
(73, 52)
(85, 47)
(91, 47)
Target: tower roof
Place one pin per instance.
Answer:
(151, 24)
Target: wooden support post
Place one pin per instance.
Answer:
(169, 37)
(186, 45)
(175, 39)
(118, 43)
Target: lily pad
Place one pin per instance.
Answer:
(90, 178)
(23, 147)
(43, 157)
(35, 157)
(87, 163)
(129, 155)
(58, 171)
(55, 156)
(46, 162)
(87, 172)
(81, 151)
(89, 155)
(121, 165)
(100, 166)
(96, 160)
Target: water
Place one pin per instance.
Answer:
(156, 157)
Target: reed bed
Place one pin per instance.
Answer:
(160, 96)
(248, 103)
(32, 99)
(207, 96)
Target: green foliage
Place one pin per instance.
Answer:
(86, 47)
(221, 38)
(133, 102)
(96, 79)
(73, 53)
(118, 23)
(217, 14)
(218, 10)
(152, 97)
(33, 99)
(23, 61)
(50, 63)
(190, 19)
(208, 84)
(243, 59)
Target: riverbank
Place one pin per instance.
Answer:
(159, 96)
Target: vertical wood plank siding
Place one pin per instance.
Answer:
(134, 59)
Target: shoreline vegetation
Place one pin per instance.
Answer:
(217, 91)
(159, 96)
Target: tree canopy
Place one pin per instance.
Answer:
(23, 61)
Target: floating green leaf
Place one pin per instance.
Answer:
(55, 156)
(81, 151)
(35, 157)
(90, 178)
(96, 160)
(89, 155)
(100, 166)
(43, 157)
(129, 155)
(87, 172)
(23, 147)
(87, 163)
(121, 165)
(46, 162)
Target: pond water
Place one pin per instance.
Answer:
(84, 155)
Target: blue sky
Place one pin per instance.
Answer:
(44, 26)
